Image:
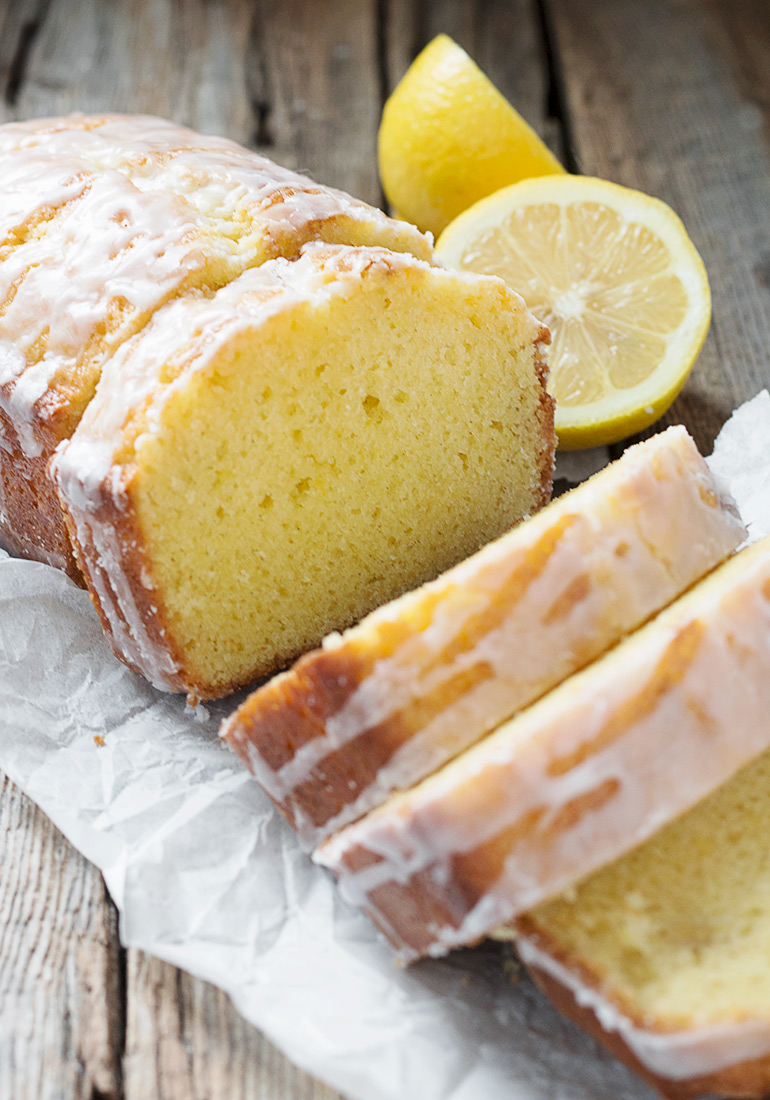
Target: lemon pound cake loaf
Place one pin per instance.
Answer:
(102, 220)
(265, 465)
(665, 955)
(418, 681)
(585, 774)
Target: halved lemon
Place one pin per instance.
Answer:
(614, 275)
(448, 138)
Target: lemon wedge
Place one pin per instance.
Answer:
(448, 138)
(614, 275)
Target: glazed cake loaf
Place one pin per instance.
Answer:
(582, 776)
(382, 706)
(266, 464)
(103, 219)
(665, 955)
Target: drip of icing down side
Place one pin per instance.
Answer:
(486, 638)
(577, 779)
(676, 1055)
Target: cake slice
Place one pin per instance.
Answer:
(665, 955)
(267, 464)
(103, 219)
(582, 776)
(382, 706)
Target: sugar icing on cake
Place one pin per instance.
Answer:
(103, 219)
(585, 774)
(663, 954)
(423, 678)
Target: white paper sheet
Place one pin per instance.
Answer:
(208, 876)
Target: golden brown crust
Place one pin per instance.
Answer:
(409, 911)
(547, 411)
(293, 710)
(31, 519)
(99, 581)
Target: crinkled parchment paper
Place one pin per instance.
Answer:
(208, 876)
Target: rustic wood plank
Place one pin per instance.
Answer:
(184, 61)
(60, 965)
(742, 33)
(19, 26)
(314, 75)
(186, 1041)
(657, 100)
(299, 81)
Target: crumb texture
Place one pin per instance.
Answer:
(677, 932)
(302, 446)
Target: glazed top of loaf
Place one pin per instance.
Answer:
(216, 175)
(104, 218)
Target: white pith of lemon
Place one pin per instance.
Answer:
(448, 138)
(614, 275)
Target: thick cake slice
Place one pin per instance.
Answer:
(103, 219)
(267, 464)
(382, 706)
(585, 774)
(665, 955)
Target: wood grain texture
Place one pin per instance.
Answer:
(314, 75)
(185, 61)
(186, 1041)
(61, 1025)
(742, 35)
(659, 100)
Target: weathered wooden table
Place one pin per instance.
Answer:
(672, 96)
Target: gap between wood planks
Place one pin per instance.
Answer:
(30, 18)
(425, 24)
(556, 107)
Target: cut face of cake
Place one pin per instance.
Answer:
(266, 464)
(663, 956)
(585, 774)
(103, 219)
(379, 708)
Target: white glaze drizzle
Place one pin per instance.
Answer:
(128, 625)
(155, 203)
(676, 1055)
(694, 736)
(111, 244)
(218, 176)
(653, 504)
